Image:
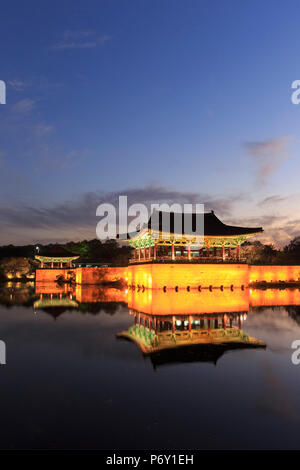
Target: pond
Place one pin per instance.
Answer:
(108, 369)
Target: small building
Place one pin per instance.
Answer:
(56, 257)
(219, 242)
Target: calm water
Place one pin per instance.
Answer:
(70, 383)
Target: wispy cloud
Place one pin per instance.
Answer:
(76, 218)
(82, 39)
(18, 85)
(278, 229)
(271, 200)
(42, 129)
(268, 155)
(80, 215)
(24, 106)
(62, 161)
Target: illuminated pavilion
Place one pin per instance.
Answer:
(220, 242)
(56, 257)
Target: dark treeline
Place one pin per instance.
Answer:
(93, 251)
(112, 253)
(258, 253)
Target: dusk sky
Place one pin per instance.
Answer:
(163, 100)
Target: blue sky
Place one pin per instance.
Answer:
(159, 99)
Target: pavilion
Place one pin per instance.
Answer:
(56, 257)
(219, 242)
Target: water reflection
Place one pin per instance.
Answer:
(152, 302)
(74, 368)
(167, 326)
(187, 338)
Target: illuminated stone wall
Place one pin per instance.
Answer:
(50, 275)
(101, 275)
(83, 275)
(157, 276)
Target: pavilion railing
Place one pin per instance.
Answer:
(193, 259)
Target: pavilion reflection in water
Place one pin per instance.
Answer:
(174, 326)
(167, 334)
(55, 299)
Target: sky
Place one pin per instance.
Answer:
(160, 100)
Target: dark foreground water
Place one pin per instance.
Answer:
(69, 383)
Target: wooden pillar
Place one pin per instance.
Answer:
(150, 252)
(52, 264)
(139, 251)
(42, 264)
(189, 252)
(155, 251)
(173, 252)
(224, 321)
(144, 252)
(223, 252)
(207, 250)
(60, 264)
(190, 323)
(229, 252)
(155, 325)
(173, 324)
(238, 252)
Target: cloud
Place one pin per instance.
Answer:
(42, 129)
(268, 155)
(18, 85)
(63, 161)
(24, 106)
(278, 229)
(82, 39)
(75, 218)
(270, 200)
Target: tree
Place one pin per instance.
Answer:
(292, 251)
(15, 267)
